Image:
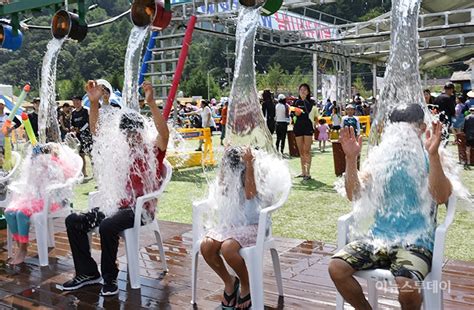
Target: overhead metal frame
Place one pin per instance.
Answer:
(443, 35)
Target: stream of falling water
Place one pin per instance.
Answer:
(132, 67)
(246, 124)
(246, 127)
(402, 83)
(48, 125)
(395, 205)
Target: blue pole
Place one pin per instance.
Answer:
(147, 57)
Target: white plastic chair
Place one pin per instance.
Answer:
(43, 221)
(432, 294)
(253, 255)
(4, 203)
(131, 235)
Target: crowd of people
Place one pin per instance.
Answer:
(408, 261)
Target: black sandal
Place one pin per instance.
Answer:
(243, 300)
(233, 296)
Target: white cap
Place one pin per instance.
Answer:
(281, 97)
(106, 84)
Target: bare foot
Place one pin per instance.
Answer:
(19, 257)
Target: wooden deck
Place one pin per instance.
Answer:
(304, 267)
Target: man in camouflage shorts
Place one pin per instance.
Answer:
(400, 222)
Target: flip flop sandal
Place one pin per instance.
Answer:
(244, 300)
(300, 176)
(233, 296)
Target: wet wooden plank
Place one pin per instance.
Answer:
(306, 282)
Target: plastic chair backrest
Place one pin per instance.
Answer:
(17, 159)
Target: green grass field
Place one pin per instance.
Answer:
(312, 209)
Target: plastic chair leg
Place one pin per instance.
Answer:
(9, 243)
(41, 230)
(339, 302)
(255, 269)
(433, 298)
(51, 243)
(159, 242)
(372, 290)
(132, 250)
(194, 277)
(276, 267)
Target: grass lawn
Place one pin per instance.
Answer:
(312, 209)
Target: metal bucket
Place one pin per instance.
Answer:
(149, 12)
(67, 24)
(8, 40)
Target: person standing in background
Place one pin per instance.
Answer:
(207, 121)
(3, 118)
(306, 114)
(336, 119)
(268, 109)
(282, 118)
(469, 131)
(80, 126)
(33, 116)
(65, 120)
(447, 102)
(224, 121)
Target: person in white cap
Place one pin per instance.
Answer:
(470, 101)
(282, 118)
(349, 120)
(107, 91)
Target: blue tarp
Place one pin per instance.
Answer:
(9, 104)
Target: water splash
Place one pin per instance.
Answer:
(246, 127)
(395, 205)
(132, 67)
(39, 171)
(402, 83)
(228, 207)
(48, 125)
(246, 124)
(116, 155)
(395, 183)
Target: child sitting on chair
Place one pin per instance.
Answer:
(236, 179)
(46, 165)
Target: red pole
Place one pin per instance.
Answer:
(179, 68)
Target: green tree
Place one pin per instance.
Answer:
(196, 85)
(360, 87)
(275, 77)
(439, 72)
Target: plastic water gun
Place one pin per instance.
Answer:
(7, 160)
(29, 129)
(297, 111)
(8, 123)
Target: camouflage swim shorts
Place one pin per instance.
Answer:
(410, 261)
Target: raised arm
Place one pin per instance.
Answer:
(439, 185)
(249, 178)
(159, 120)
(351, 147)
(94, 92)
